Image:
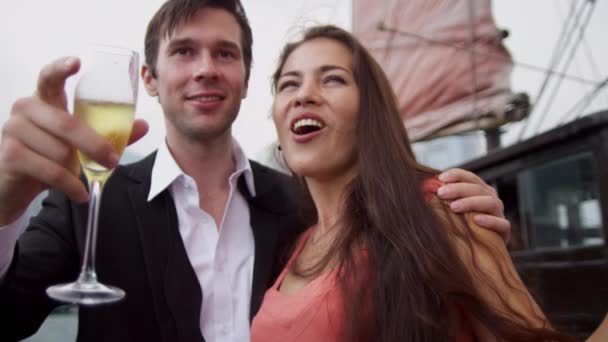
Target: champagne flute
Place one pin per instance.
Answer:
(105, 98)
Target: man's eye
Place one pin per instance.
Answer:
(183, 51)
(226, 54)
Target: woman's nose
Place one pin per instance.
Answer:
(308, 94)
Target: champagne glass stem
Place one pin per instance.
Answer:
(87, 272)
(86, 290)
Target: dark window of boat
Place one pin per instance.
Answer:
(559, 205)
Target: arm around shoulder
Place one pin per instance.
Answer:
(485, 257)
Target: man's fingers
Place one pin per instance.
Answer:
(463, 176)
(454, 191)
(140, 128)
(470, 193)
(481, 204)
(70, 129)
(37, 140)
(25, 162)
(500, 225)
(51, 80)
(460, 175)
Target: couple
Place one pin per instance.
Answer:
(197, 243)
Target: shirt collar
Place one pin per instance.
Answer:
(243, 167)
(166, 171)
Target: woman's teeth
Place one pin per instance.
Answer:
(305, 126)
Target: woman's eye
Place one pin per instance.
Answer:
(287, 84)
(334, 79)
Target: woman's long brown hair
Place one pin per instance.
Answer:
(414, 277)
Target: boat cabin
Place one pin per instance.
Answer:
(555, 190)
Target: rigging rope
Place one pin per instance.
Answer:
(389, 39)
(523, 65)
(562, 44)
(583, 103)
(593, 66)
(472, 40)
(581, 32)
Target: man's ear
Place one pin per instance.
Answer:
(149, 80)
(244, 93)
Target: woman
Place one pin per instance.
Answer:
(384, 259)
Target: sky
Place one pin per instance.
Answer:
(35, 32)
(535, 28)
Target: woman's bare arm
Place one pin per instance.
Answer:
(601, 333)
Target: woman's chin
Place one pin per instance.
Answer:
(314, 168)
(303, 169)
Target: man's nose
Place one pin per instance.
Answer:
(206, 67)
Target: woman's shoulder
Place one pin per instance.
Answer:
(429, 188)
(457, 225)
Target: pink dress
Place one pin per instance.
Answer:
(315, 312)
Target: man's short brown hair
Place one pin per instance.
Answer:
(174, 13)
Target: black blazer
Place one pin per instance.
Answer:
(139, 249)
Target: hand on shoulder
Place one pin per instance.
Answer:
(468, 193)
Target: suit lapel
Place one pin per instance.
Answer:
(177, 294)
(265, 235)
(273, 222)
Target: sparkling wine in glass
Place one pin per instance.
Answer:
(105, 98)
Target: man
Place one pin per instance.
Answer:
(194, 244)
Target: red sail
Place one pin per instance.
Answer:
(425, 49)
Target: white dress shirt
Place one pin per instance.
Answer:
(222, 257)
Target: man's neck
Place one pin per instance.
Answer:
(210, 163)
